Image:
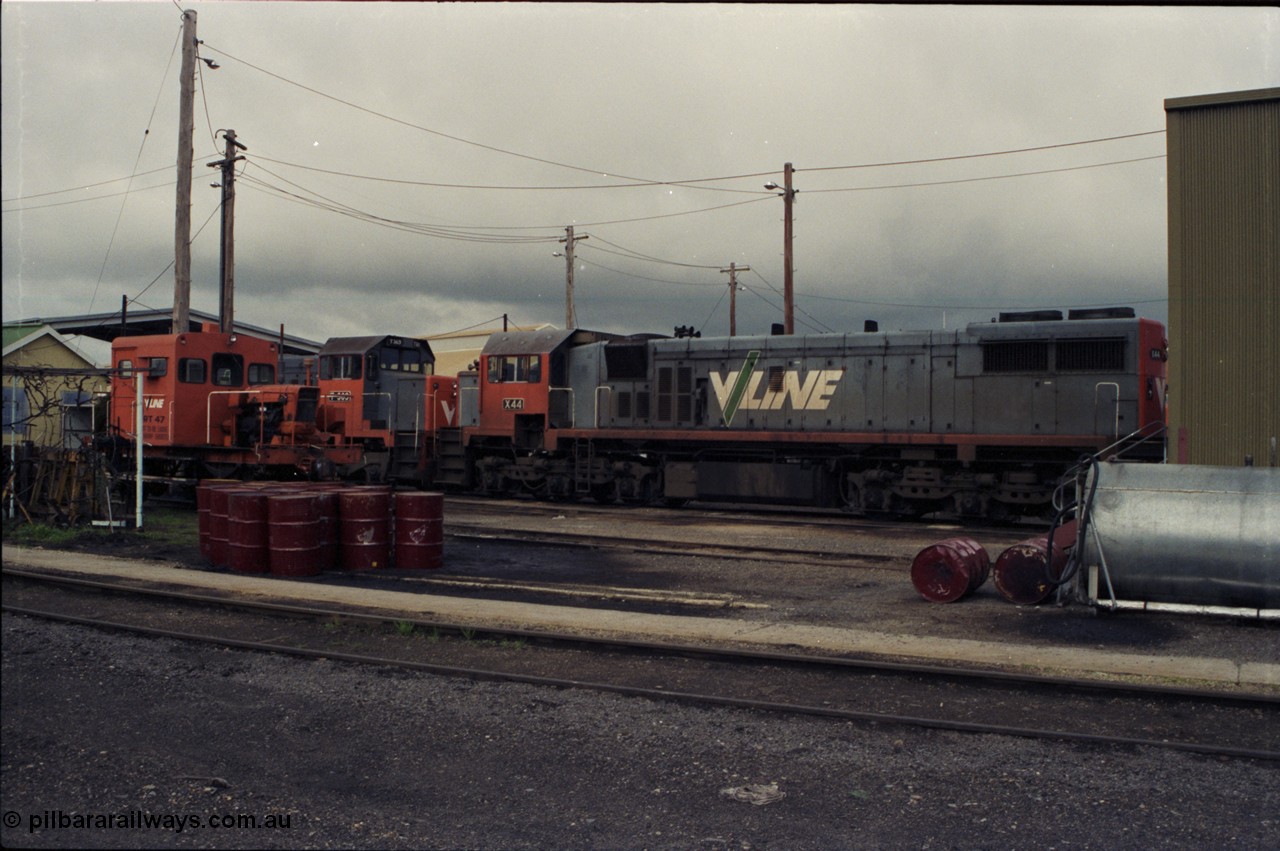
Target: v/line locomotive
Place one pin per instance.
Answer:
(976, 422)
(218, 405)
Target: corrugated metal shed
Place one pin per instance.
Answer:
(1224, 277)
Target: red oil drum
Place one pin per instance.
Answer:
(327, 498)
(364, 534)
(295, 534)
(203, 497)
(247, 530)
(419, 530)
(950, 570)
(219, 503)
(1021, 575)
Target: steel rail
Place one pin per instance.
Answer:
(783, 555)
(690, 698)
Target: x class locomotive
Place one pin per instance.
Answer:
(978, 422)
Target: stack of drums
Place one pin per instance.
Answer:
(303, 529)
(364, 535)
(1023, 574)
(950, 570)
(419, 530)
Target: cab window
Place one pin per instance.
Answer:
(261, 373)
(339, 366)
(228, 370)
(191, 370)
(515, 368)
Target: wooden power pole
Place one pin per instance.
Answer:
(186, 131)
(733, 271)
(570, 316)
(226, 255)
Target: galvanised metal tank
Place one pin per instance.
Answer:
(1184, 534)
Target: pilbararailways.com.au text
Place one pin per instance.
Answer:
(144, 820)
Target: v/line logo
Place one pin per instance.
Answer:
(740, 390)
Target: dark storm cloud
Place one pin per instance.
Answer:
(663, 92)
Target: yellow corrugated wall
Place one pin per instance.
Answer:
(1224, 277)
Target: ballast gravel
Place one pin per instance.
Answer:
(112, 741)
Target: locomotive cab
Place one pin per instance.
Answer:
(191, 382)
(373, 393)
(524, 384)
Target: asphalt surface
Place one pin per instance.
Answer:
(102, 731)
(103, 734)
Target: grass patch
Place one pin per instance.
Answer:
(162, 526)
(39, 535)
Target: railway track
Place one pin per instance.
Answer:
(1096, 713)
(770, 535)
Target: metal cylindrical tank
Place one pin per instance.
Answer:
(950, 570)
(1021, 573)
(1186, 534)
(295, 534)
(247, 531)
(364, 533)
(419, 530)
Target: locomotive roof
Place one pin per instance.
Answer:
(543, 340)
(360, 345)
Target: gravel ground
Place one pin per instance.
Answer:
(100, 726)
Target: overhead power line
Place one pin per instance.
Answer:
(987, 154)
(984, 178)
(633, 180)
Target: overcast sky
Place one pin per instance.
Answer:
(462, 139)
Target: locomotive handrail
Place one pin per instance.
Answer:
(418, 421)
(1116, 430)
(572, 407)
(208, 413)
(596, 412)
